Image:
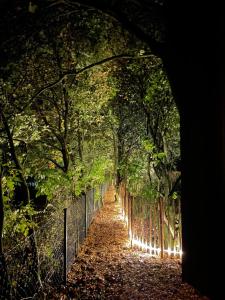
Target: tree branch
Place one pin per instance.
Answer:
(76, 72)
(55, 163)
(48, 144)
(118, 15)
(46, 122)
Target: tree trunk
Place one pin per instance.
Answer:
(1, 211)
(24, 190)
(120, 158)
(115, 159)
(65, 157)
(195, 65)
(24, 187)
(4, 281)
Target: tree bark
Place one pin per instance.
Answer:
(1, 212)
(24, 187)
(195, 66)
(26, 200)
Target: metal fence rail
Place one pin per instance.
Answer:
(44, 258)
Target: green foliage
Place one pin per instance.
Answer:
(174, 195)
(19, 221)
(148, 146)
(70, 132)
(93, 174)
(149, 192)
(146, 103)
(97, 194)
(52, 180)
(9, 183)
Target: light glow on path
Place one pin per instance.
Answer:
(154, 251)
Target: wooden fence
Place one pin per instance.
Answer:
(153, 226)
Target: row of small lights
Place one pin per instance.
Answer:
(153, 251)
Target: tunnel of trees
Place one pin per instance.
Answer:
(124, 51)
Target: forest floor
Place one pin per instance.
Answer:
(108, 268)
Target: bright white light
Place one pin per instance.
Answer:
(146, 246)
(139, 243)
(130, 234)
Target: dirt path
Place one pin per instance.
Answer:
(107, 268)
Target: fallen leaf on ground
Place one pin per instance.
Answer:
(108, 268)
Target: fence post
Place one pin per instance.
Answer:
(93, 191)
(65, 247)
(125, 203)
(78, 239)
(180, 229)
(101, 193)
(150, 230)
(128, 213)
(131, 219)
(86, 214)
(161, 226)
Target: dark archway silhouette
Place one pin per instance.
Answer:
(193, 54)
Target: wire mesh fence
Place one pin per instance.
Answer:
(154, 227)
(43, 259)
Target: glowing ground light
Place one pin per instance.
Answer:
(154, 251)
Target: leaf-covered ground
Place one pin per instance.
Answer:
(107, 268)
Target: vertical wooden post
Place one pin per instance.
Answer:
(127, 206)
(125, 203)
(65, 248)
(174, 226)
(150, 229)
(161, 226)
(121, 198)
(180, 228)
(101, 196)
(128, 213)
(78, 239)
(93, 191)
(86, 214)
(169, 234)
(131, 219)
(155, 227)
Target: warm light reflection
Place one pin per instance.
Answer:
(130, 234)
(125, 217)
(143, 245)
(154, 251)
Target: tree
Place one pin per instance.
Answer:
(185, 47)
(183, 62)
